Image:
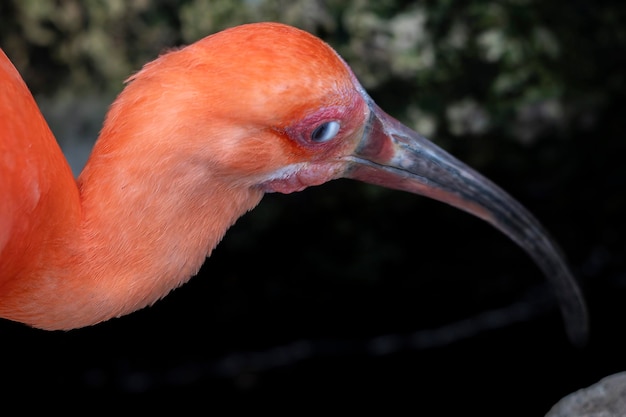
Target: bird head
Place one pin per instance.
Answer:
(270, 108)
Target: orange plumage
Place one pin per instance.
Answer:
(193, 142)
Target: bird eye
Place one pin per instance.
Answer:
(325, 132)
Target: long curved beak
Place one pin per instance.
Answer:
(394, 156)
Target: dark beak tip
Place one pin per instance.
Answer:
(394, 156)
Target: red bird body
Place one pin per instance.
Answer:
(193, 142)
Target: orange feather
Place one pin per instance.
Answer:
(193, 142)
(177, 162)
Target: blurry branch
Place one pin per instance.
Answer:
(244, 367)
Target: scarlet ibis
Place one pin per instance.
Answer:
(194, 141)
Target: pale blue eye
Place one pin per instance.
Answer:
(325, 132)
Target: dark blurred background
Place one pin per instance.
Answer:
(346, 291)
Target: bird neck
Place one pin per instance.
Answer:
(148, 225)
(140, 226)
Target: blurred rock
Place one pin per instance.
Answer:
(607, 398)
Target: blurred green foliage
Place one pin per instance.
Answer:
(521, 69)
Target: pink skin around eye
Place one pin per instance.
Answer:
(302, 130)
(300, 176)
(320, 166)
